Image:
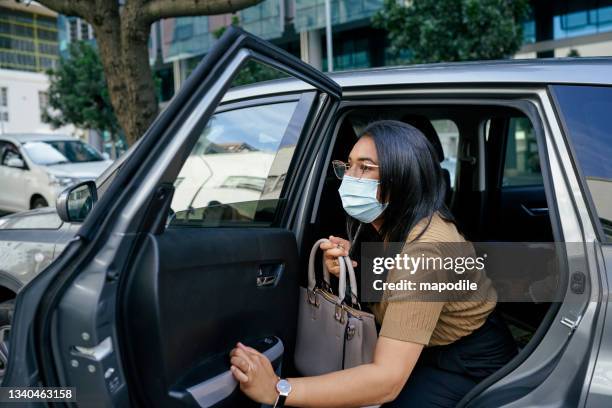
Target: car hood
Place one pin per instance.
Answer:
(85, 170)
(41, 218)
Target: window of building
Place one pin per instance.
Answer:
(4, 96)
(585, 113)
(84, 30)
(522, 163)
(43, 102)
(4, 116)
(73, 28)
(584, 22)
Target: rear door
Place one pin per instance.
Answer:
(192, 247)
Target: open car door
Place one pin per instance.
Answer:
(190, 249)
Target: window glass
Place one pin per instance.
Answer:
(61, 152)
(522, 163)
(585, 112)
(235, 172)
(449, 138)
(8, 156)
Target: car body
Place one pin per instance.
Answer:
(35, 168)
(159, 271)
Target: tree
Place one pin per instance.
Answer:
(78, 93)
(453, 30)
(121, 30)
(253, 71)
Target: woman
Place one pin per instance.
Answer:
(429, 353)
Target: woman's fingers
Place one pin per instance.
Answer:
(340, 241)
(241, 354)
(240, 363)
(239, 375)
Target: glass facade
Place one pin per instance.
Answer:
(583, 22)
(28, 41)
(72, 29)
(186, 37)
(310, 14)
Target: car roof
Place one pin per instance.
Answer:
(35, 137)
(582, 71)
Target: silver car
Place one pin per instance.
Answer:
(199, 236)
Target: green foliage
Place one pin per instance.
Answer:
(253, 71)
(78, 94)
(453, 30)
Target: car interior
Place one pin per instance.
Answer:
(176, 360)
(510, 208)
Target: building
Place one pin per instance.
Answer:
(564, 28)
(295, 25)
(28, 47)
(555, 29)
(28, 37)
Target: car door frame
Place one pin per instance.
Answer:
(114, 228)
(565, 323)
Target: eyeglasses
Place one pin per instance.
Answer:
(357, 170)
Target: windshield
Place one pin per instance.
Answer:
(60, 152)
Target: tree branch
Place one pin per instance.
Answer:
(79, 8)
(158, 9)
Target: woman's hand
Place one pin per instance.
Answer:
(255, 374)
(333, 249)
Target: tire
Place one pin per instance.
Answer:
(39, 202)
(7, 309)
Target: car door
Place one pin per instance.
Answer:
(12, 196)
(517, 196)
(191, 248)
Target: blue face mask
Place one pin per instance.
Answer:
(359, 198)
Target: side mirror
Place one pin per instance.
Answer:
(76, 202)
(15, 162)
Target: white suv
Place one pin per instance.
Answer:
(34, 168)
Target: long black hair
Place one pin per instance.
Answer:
(411, 179)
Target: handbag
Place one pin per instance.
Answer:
(332, 335)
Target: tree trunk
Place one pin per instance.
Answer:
(122, 41)
(122, 35)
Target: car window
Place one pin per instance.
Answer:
(60, 152)
(449, 138)
(9, 153)
(235, 172)
(585, 113)
(521, 163)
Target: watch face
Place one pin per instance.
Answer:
(283, 387)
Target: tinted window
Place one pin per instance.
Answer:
(61, 152)
(235, 172)
(586, 114)
(521, 164)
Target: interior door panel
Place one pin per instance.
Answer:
(195, 292)
(525, 214)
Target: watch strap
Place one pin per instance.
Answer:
(280, 401)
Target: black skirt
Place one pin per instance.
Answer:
(443, 375)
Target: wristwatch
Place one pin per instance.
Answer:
(283, 387)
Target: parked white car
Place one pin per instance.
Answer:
(35, 168)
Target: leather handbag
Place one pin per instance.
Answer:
(332, 334)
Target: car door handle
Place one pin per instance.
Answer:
(268, 275)
(220, 387)
(535, 211)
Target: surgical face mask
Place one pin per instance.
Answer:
(359, 198)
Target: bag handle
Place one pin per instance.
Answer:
(344, 263)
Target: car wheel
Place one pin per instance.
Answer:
(39, 202)
(6, 316)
